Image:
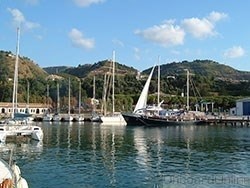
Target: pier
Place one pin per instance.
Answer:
(243, 121)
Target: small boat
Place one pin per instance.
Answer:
(113, 118)
(57, 117)
(68, 117)
(95, 117)
(20, 124)
(17, 130)
(48, 117)
(78, 118)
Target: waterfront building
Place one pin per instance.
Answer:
(34, 109)
(243, 107)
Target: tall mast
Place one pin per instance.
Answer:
(58, 97)
(79, 102)
(94, 107)
(158, 93)
(14, 95)
(47, 101)
(28, 94)
(187, 89)
(113, 84)
(69, 98)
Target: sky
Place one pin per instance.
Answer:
(141, 32)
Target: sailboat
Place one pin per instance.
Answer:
(113, 118)
(79, 117)
(47, 117)
(57, 117)
(94, 116)
(139, 110)
(149, 116)
(19, 124)
(68, 117)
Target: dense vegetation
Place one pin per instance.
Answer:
(210, 82)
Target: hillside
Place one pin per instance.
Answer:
(212, 80)
(27, 68)
(101, 67)
(205, 68)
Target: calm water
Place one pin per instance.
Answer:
(94, 155)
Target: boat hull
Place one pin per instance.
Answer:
(140, 120)
(156, 121)
(113, 120)
(133, 119)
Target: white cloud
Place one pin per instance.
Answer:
(85, 3)
(234, 52)
(216, 16)
(205, 27)
(166, 34)
(20, 20)
(79, 41)
(199, 28)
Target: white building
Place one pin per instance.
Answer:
(243, 107)
(33, 108)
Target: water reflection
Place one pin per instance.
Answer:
(30, 149)
(94, 155)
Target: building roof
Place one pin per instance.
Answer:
(244, 100)
(24, 105)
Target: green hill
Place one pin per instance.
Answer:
(101, 67)
(206, 68)
(27, 68)
(213, 80)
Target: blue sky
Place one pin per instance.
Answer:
(73, 32)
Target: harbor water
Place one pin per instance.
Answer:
(93, 155)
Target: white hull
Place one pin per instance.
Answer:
(48, 117)
(113, 120)
(68, 118)
(57, 118)
(79, 118)
(34, 132)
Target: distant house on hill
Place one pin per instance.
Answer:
(32, 108)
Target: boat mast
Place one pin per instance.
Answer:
(158, 96)
(94, 107)
(113, 84)
(47, 101)
(69, 99)
(14, 95)
(187, 89)
(28, 96)
(58, 99)
(79, 102)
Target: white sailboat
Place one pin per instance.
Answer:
(57, 117)
(79, 117)
(18, 125)
(94, 116)
(47, 117)
(113, 118)
(68, 117)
